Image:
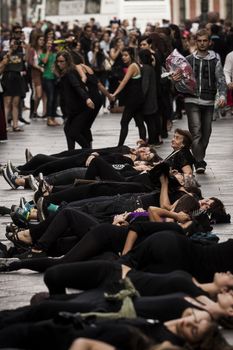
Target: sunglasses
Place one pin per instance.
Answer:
(61, 61)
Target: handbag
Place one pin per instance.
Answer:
(107, 64)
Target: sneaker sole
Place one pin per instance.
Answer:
(8, 180)
(200, 171)
(32, 183)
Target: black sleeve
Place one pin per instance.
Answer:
(148, 228)
(183, 158)
(75, 83)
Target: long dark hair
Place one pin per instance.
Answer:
(69, 63)
(187, 204)
(145, 57)
(131, 53)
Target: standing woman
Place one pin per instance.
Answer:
(36, 49)
(132, 85)
(75, 100)
(13, 82)
(149, 87)
(3, 131)
(46, 60)
(116, 74)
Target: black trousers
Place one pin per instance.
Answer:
(75, 130)
(68, 221)
(127, 116)
(50, 164)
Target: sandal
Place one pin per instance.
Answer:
(17, 129)
(14, 238)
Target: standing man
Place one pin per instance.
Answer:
(210, 80)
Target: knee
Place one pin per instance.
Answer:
(51, 277)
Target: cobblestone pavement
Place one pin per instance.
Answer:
(16, 288)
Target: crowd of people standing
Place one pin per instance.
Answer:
(129, 229)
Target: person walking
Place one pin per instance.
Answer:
(199, 107)
(75, 100)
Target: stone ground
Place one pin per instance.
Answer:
(16, 288)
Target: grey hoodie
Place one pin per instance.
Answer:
(210, 78)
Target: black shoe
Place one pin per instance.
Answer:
(200, 167)
(5, 264)
(24, 121)
(29, 254)
(3, 251)
(22, 202)
(5, 211)
(13, 169)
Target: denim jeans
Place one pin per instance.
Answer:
(200, 126)
(50, 89)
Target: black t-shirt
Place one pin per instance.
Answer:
(16, 62)
(180, 159)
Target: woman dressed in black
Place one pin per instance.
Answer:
(132, 86)
(75, 100)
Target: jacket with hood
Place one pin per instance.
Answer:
(209, 76)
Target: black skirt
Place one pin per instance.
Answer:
(13, 84)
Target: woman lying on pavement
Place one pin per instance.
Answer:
(99, 239)
(120, 333)
(49, 164)
(111, 297)
(15, 178)
(180, 159)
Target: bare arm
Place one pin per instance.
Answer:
(104, 91)
(164, 198)
(114, 53)
(90, 344)
(156, 214)
(130, 240)
(132, 70)
(3, 63)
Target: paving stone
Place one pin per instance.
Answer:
(17, 288)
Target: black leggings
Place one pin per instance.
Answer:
(164, 308)
(58, 278)
(127, 116)
(100, 239)
(87, 191)
(153, 127)
(50, 164)
(68, 219)
(75, 130)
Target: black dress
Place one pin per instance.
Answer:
(12, 81)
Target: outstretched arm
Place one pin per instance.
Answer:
(164, 198)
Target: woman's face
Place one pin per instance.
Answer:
(177, 141)
(61, 62)
(126, 58)
(223, 280)
(119, 43)
(106, 37)
(205, 203)
(144, 45)
(225, 301)
(41, 41)
(193, 328)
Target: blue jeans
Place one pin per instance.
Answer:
(200, 126)
(50, 89)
